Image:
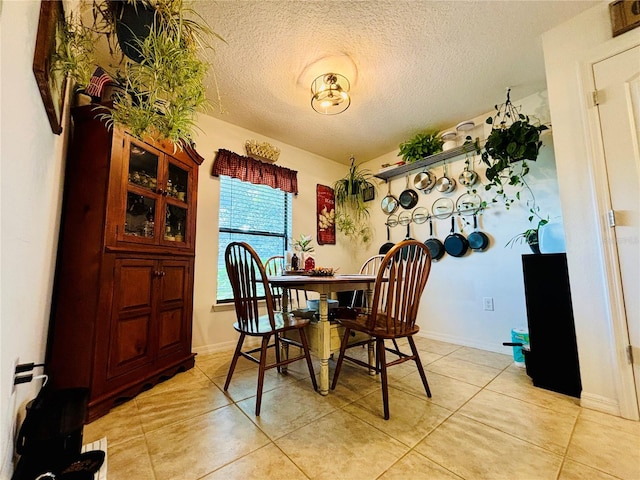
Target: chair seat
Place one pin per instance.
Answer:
(380, 330)
(282, 323)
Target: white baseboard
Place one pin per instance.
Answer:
(465, 342)
(215, 348)
(225, 346)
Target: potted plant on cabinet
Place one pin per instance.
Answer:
(352, 211)
(163, 82)
(420, 146)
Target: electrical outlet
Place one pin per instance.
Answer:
(487, 302)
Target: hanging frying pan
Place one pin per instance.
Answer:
(455, 244)
(389, 203)
(392, 221)
(445, 184)
(409, 197)
(405, 253)
(408, 237)
(424, 181)
(434, 245)
(469, 176)
(478, 241)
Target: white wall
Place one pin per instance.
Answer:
(212, 326)
(569, 50)
(452, 308)
(452, 305)
(31, 186)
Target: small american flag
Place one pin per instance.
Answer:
(97, 82)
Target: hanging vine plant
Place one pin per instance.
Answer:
(352, 211)
(513, 140)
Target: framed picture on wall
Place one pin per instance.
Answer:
(625, 15)
(51, 84)
(325, 215)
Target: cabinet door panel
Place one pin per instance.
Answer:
(171, 330)
(174, 281)
(133, 291)
(131, 316)
(132, 341)
(174, 306)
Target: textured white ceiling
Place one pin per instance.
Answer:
(413, 65)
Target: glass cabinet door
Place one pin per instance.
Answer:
(175, 223)
(140, 220)
(156, 211)
(177, 183)
(143, 168)
(142, 197)
(176, 206)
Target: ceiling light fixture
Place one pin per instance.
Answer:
(330, 94)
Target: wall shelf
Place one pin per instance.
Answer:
(427, 161)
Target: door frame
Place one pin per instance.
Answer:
(617, 321)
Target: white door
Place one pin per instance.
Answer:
(617, 81)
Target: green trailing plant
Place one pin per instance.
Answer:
(530, 235)
(513, 140)
(74, 52)
(352, 212)
(420, 146)
(164, 90)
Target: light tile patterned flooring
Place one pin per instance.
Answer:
(484, 421)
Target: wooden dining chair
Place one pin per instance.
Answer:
(369, 267)
(275, 266)
(400, 281)
(250, 287)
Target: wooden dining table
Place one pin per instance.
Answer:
(325, 286)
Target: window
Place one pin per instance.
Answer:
(256, 214)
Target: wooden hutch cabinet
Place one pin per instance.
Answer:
(123, 293)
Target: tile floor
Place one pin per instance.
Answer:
(484, 421)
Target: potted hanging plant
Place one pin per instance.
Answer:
(162, 75)
(513, 140)
(163, 92)
(420, 146)
(352, 212)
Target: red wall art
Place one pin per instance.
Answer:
(325, 213)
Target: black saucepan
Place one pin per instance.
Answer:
(409, 197)
(478, 241)
(389, 203)
(434, 245)
(455, 244)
